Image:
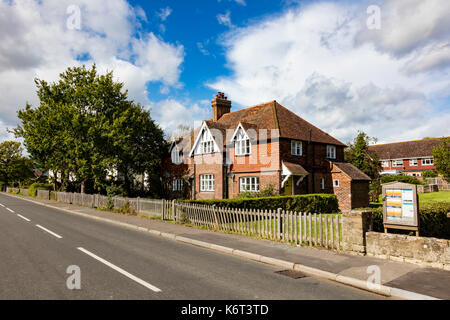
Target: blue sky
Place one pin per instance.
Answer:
(381, 67)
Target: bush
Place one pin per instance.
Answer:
(429, 174)
(433, 221)
(269, 191)
(32, 190)
(401, 178)
(314, 203)
(126, 208)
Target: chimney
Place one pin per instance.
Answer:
(220, 105)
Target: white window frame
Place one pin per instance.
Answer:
(322, 183)
(331, 152)
(385, 164)
(428, 161)
(177, 185)
(206, 143)
(242, 145)
(413, 162)
(249, 184)
(296, 148)
(395, 163)
(175, 155)
(206, 182)
(336, 183)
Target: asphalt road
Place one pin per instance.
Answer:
(38, 244)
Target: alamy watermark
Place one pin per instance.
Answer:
(374, 280)
(373, 21)
(74, 280)
(73, 21)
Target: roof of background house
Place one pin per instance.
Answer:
(406, 149)
(353, 172)
(272, 115)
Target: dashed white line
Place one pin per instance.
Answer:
(120, 270)
(21, 216)
(10, 210)
(51, 232)
(1, 205)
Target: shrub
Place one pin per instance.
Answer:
(126, 208)
(429, 174)
(32, 190)
(314, 203)
(433, 221)
(269, 191)
(401, 178)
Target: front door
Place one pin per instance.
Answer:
(288, 188)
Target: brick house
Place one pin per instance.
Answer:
(410, 158)
(252, 148)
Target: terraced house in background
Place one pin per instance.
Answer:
(260, 146)
(410, 158)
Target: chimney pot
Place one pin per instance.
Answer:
(220, 105)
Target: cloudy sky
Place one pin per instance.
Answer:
(334, 63)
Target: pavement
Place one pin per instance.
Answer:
(229, 262)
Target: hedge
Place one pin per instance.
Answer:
(32, 190)
(402, 178)
(314, 203)
(433, 221)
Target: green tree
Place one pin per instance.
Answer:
(359, 155)
(14, 167)
(85, 125)
(441, 157)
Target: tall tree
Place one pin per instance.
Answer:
(441, 157)
(14, 167)
(84, 126)
(359, 155)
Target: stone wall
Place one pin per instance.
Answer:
(430, 252)
(355, 225)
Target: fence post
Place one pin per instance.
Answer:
(163, 207)
(137, 206)
(279, 224)
(174, 211)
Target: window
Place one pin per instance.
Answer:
(250, 184)
(177, 185)
(397, 163)
(176, 155)
(428, 161)
(296, 148)
(413, 162)
(331, 152)
(322, 183)
(415, 174)
(385, 164)
(336, 183)
(207, 182)
(206, 142)
(241, 143)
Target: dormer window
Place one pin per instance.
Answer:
(206, 142)
(331, 152)
(176, 155)
(241, 143)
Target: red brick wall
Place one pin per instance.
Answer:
(209, 164)
(344, 191)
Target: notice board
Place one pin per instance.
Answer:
(400, 205)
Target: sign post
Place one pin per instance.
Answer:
(400, 206)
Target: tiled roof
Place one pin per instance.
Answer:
(407, 149)
(272, 115)
(295, 168)
(353, 172)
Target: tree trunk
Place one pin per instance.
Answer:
(82, 186)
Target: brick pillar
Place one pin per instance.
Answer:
(355, 224)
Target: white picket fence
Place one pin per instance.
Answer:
(311, 229)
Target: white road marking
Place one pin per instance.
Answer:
(10, 210)
(2, 205)
(19, 215)
(120, 270)
(51, 232)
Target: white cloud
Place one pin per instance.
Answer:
(171, 113)
(164, 13)
(225, 19)
(310, 60)
(36, 42)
